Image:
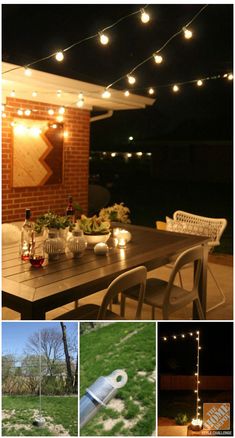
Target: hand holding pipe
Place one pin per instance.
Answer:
(99, 394)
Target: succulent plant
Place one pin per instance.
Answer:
(94, 225)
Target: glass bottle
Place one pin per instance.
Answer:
(27, 236)
(70, 211)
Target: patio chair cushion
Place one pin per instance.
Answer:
(185, 227)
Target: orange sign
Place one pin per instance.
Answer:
(216, 416)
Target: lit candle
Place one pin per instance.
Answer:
(101, 248)
(196, 424)
(121, 242)
(116, 232)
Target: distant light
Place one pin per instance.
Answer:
(151, 91)
(59, 56)
(34, 93)
(61, 110)
(27, 112)
(139, 154)
(129, 155)
(66, 134)
(60, 119)
(131, 79)
(54, 126)
(113, 154)
(158, 59)
(20, 112)
(106, 94)
(80, 103)
(104, 153)
(149, 154)
(175, 88)
(27, 72)
(174, 337)
(51, 112)
(58, 93)
(164, 339)
(199, 83)
(13, 93)
(187, 33)
(230, 77)
(144, 16)
(182, 336)
(104, 39)
(126, 93)
(131, 138)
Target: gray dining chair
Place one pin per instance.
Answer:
(133, 278)
(165, 295)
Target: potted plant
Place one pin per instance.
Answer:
(115, 213)
(95, 229)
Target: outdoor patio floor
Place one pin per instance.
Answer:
(221, 266)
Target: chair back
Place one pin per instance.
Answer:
(160, 225)
(10, 234)
(191, 255)
(131, 278)
(211, 227)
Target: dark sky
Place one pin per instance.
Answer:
(179, 356)
(34, 31)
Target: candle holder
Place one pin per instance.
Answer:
(101, 248)
(121, 242)
(196, 424)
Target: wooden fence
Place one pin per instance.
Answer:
(221, 383)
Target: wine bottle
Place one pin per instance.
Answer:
(70, 211)
(27, 236)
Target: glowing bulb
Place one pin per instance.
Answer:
(197, 332)
(149, 154)
(51, 112)
(60, 119)
(20, 112)
(131, 138)
(129, 155)
(106, 94)
(230, 77)
(195, 390)
(58, 93)
(61, 110)
(13, 93)
(187, 33)
(27, 72)
(54, 126)
(196, 374)
(66, 134)
(158, 59)
(198, 381)
(35, 131)
(80, 96)
(182, 336)
(199, 83)
(34, 93)
(104, 39)
(199, 407)
(27, 112)
(197, 339)
(199, 348)
(151, 91)
(191, 334)
(13, 124)
(225, 75)
(4, 115)
(175, 88)
(113, 154)
(59, 56)
(174, 337)
(164, 339)
(126, 93)
(80, 103)
(198, 399)
(144, 16)
(139, 154)
(131, 79)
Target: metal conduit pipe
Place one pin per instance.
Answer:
(99, 394)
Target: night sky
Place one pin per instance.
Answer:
(34, 31)
(179, 356)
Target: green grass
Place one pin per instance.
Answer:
(56, 410)
(106, 349)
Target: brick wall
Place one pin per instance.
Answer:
(76, 163)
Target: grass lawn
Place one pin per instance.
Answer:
(129, 346)
(18, 413)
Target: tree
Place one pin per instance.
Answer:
(70, 379)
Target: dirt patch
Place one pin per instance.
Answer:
(127, 424)
(152, 377)
(7, 414)
(116, 404)
(135, 332)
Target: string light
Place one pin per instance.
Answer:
(13, 93)
(126, 93)
(80, 103)
(59, 56)
(151, 91)
(20, 112)
(66, 134)
(34, 93)
(131, 79)
(27, 72)
(104, 39)
(187, 33)
(106, 94)
(174, 337)
(131, 138)
(175, 88)
(230, 77)
(27, 112)
(51, 112)
(129, 155)
(61, 110)
(144, 16)
(60, 119)
(58, 93)
(113, 154)
(199, 83)
(158, 59)
(139, 154)
(182, 336)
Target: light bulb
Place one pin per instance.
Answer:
(144, 16)
(60, 119)
(164, 339)
(20, 112)
(195, 374)
(158, 59)
(175, 88)
(197, 332)
(51, 112)
(13, 93)
(66, 134)
(27, 72)
(225, 75)
(199, 348)
(230, 77)
(4, 115)
(113, 154)
(139, 154)
(195, 390)
(129, 155)
(126, 93)
(80, 103)
(80, 96)
(104, 39)
(198, 399)
(27, 112)
(54, 126)
(174, 337)
(191, 334)
(187, 33)
(61, 110)
(151, 91)
(131, 138)
(149, 154)
(106, 94)
(182, 336)
(58, 93)
(34, 93)
(59, 56)
(197, 339)
(199, 83)
(131, 79)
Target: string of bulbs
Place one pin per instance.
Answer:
(103, 38)
(194, 335)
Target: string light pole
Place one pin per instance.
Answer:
(40, 421)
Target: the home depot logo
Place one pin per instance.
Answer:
(216, 416)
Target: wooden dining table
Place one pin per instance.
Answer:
(34, 291)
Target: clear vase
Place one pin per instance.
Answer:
(76, 243)
(54, 245)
